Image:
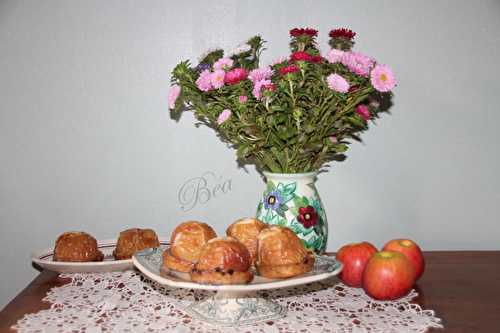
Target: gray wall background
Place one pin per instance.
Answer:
(87, 142)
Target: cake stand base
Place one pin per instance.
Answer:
(235, 309)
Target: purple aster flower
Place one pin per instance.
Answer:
(202, 67)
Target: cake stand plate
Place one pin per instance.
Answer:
(233, 305)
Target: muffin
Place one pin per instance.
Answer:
(281, 254)
(76, 246)
(246, 231)
(132, 240)
(223, 261)
(185, 245)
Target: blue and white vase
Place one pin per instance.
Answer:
(291, 200)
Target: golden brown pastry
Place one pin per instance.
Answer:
(246, 231)
(223, 261)
(77, 246)
(281, 254)
(185, 244)
(132, 240)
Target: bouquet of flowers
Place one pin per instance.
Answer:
(294, 115)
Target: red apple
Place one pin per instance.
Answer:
(354, 257)
(388, 275)
(411, 250)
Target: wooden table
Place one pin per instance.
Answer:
(463, 287)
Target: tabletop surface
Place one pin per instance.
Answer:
(462, 287)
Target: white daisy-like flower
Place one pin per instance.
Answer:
(241, 49)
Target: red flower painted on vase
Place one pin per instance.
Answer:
(307, 216)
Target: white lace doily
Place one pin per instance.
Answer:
(127, 302)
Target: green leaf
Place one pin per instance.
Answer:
(340, 148)
(271, 164)
(280, 211)
(356, 121)
(243, 150)
(276, 108)
(279, 156)
(290, 188)
(296, 228)
(307, 231)
(300, 201)
(269, 216)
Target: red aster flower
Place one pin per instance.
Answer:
(311, 32)
(296, 32)
(289, 69)
(300, 56)
(269, 86)
(363, 111)
(307, 216)
(235, 75)
(317, 59)
(342, 33)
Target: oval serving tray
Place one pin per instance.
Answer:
(149, 262)
(44, 259)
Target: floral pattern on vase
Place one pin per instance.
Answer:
(291, 200)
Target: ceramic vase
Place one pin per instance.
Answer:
(291, 200)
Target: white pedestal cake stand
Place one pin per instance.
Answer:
(233, 305)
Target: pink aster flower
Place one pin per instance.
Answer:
(333, 139)
(204, 82)
(236, 75)
(243, 99)
(260, 74)
(173, 94)
(223, 63)
(333, 56)
(257, 88)
(382, 78)
(337, 83)
(363, 111)
(217, 78)
(223, 116)
(358, 63)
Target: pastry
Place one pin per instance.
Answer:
(185, 244)
(223, 261)
(281, 254)
(133, 240)
(246, 231)
(77, 247)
